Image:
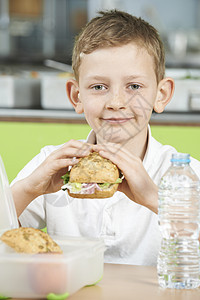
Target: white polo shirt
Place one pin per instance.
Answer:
(130, 231)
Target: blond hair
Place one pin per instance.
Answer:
(116, 28)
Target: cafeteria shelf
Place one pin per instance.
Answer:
(68, 116)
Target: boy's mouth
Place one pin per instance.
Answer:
(117, 120)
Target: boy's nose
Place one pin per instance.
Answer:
(116, 102)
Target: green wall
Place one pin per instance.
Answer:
(21, 141)
(185, 139)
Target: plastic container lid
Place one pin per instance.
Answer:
(8, 215)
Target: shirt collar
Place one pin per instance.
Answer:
(153, 148)
(149, 138)
(91, 139)
(152, 145)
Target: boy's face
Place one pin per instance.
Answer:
(117, 88)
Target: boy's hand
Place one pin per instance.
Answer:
(137, 184)
(47, 177)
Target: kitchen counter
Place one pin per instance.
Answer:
(70, 116)
(176, 118)
(41, 115)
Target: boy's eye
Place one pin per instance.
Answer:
(98, 87)
(134, 86)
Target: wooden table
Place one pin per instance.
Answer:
(125, 282)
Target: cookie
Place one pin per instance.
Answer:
(30, 240)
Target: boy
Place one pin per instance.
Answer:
(119, 66)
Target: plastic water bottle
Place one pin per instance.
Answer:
(178, 217)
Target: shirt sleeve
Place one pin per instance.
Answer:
(34, 214)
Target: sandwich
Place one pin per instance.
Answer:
(92, 177)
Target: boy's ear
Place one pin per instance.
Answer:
(72, 89)
(164, 94)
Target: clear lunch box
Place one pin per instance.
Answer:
(47, 275)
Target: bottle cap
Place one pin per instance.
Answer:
(180, 158)
(8, 215)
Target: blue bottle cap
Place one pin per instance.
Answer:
(180, 158)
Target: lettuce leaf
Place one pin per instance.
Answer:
(104, 185)
(76, 187)
(119, 180)
(66, 177)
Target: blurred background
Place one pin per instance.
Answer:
(36, 41)
(35, 30)
(37, 36)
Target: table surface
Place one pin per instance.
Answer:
(131, 282)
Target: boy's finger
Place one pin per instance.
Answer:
(63, 163)
(71, 152)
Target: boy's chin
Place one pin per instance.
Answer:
(114, 139)
(118, 134)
